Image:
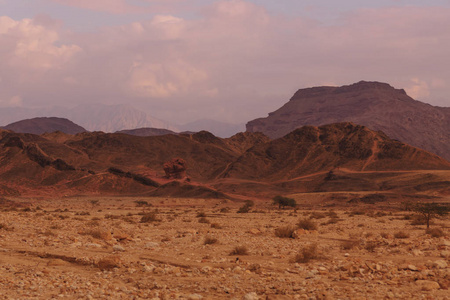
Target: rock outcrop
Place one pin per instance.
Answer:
(175, 169)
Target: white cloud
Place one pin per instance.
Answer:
(418, 89)
(31, 46)
(235, 60)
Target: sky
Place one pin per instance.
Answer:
(226, 60)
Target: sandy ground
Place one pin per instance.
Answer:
(100, 248)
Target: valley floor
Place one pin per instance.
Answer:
(166, 248)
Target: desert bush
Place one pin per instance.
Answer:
(141, 203)
(201, 214)
(203, 220)
(307, 224)
(209, 240)
(239, 250)
(283, 202)
(371, 246)
(401, 235)
(349, 244)
(150, 217)
(246, 207)
(216, 226)
(285, 232)
(306, 254)
(435, 232)
(431, 210)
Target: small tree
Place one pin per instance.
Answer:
(284, 201)
(431, 210)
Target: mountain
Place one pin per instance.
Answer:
(220, 129)
(147, 131)
(310, 149)
(376, 105)
(45, 125)
(93, 117)
(325, 158)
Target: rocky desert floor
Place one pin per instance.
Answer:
(160, 248)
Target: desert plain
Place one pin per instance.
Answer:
(180, 248)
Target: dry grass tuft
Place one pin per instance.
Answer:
(285, 232)
(216, 226)
(306, 254)
(203, 220)
(350, 244)
(401, 235)
(150, 217)
(209, 240)
(239, 250)
(435, 232)
(98, 233)
(307, 224)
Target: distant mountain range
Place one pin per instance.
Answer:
(93, 117)
(112, 118)
(376, 105)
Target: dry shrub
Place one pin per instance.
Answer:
(306, 254)
(239, 250)
(350, 244)
(435, 232)
(371, 246)
(203, 220)
(201, 215)
(210, 240)
(216, 226)
(98, 233)
(307, 224)
(285, 232)
(401, 235)
(150, 217)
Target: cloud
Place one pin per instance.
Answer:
(122, 6)
(32, 46)
(418, 89)
(234, 61)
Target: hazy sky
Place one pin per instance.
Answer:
(229, 60)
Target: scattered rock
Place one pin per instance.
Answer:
(428, 285)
